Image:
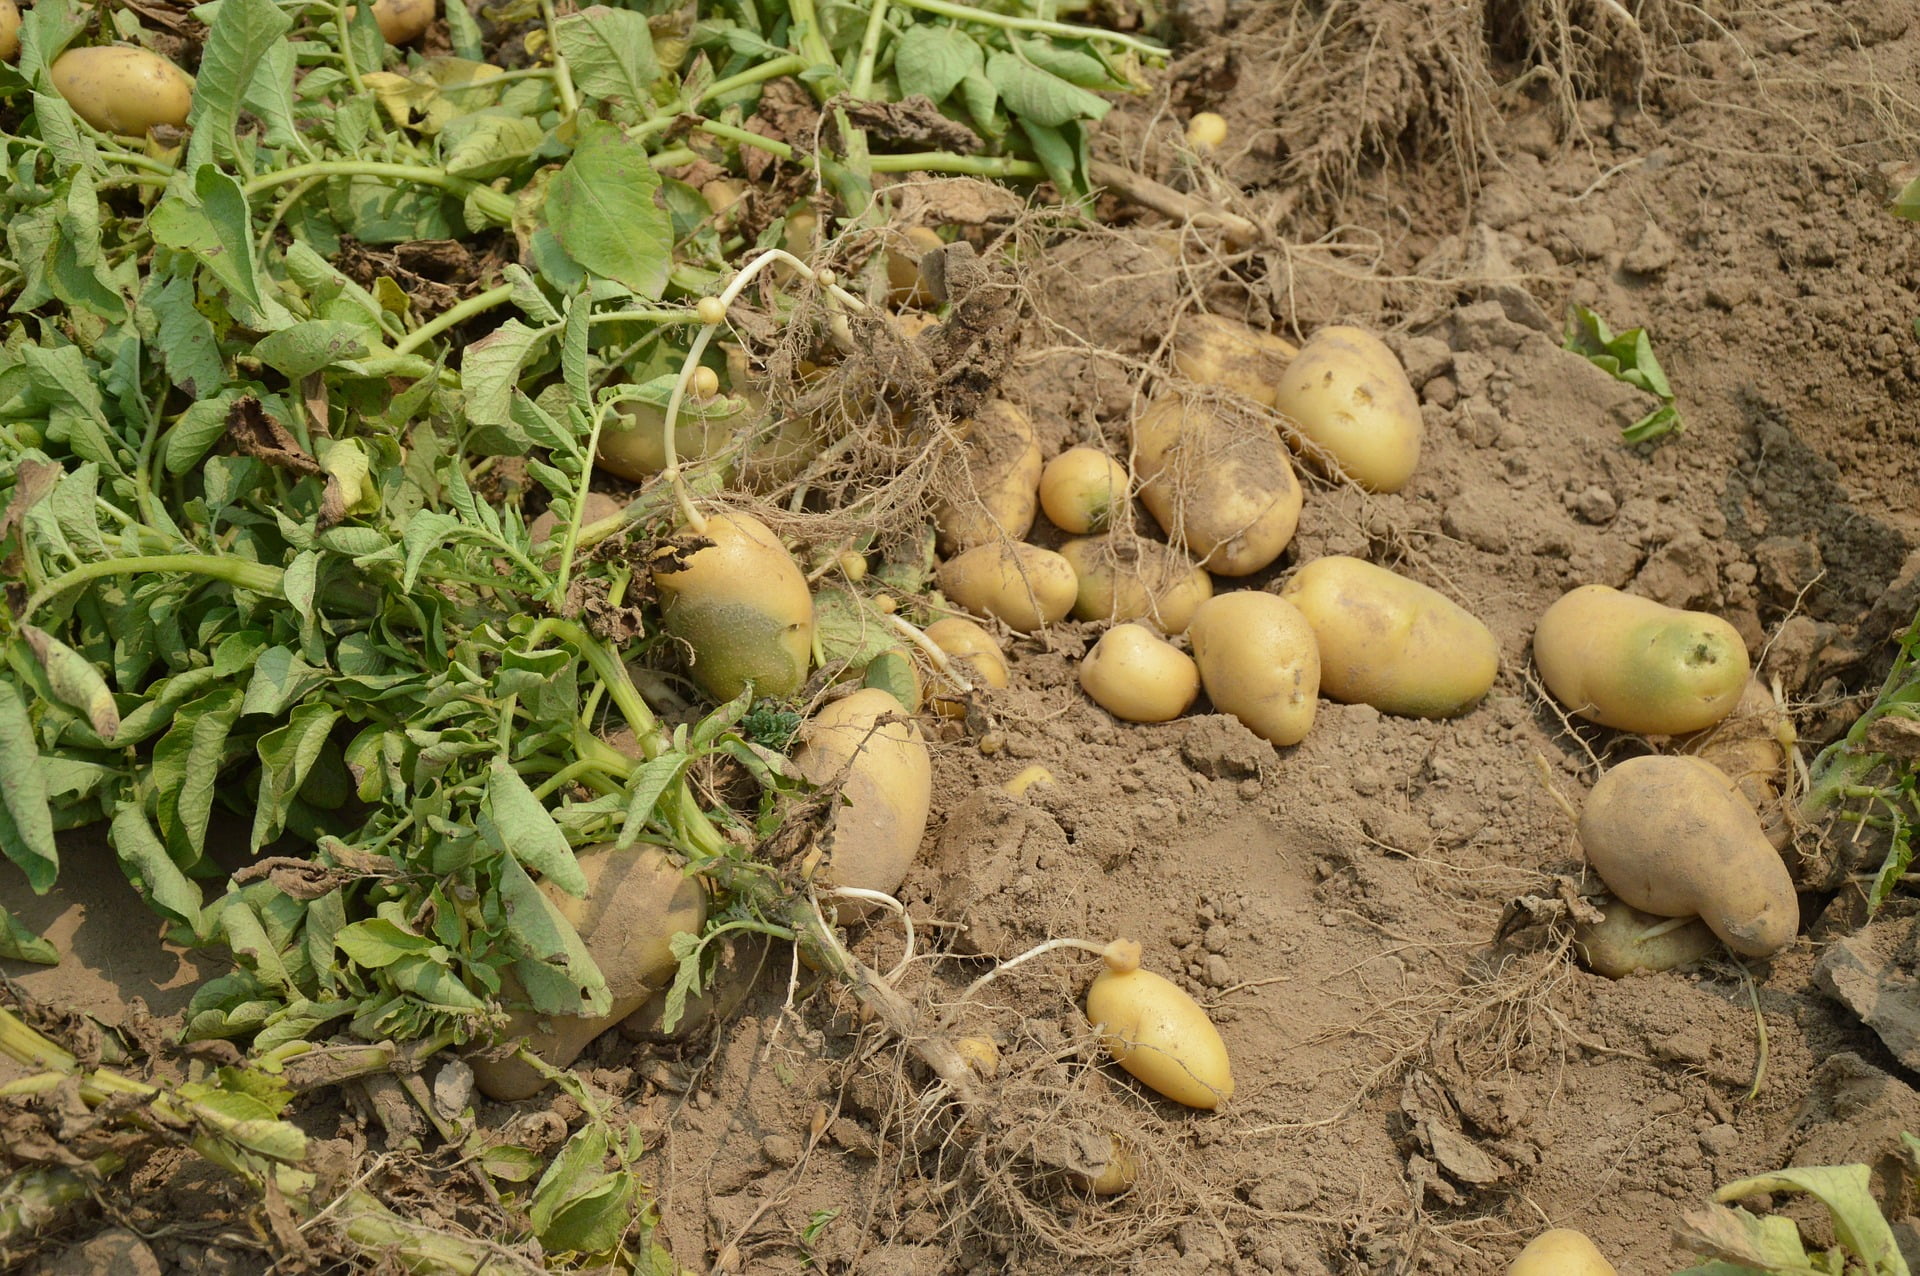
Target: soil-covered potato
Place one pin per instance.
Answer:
(1024, 585)
(1081, 488)
(1120, 577)
(1138, 676)
(123, 90)
(887, 792)
(1626, 940)
(1157, 1032)
(741, 957)
(995, 484)
(1391, 642)
(637, 900)
(1217, 481)
(904, 285)
(1637, 665)
(742, 605)
(1260, 662)
(9, 30)
(965, 641)
(1561, 1252)
(1218, 351)
(1352, 409)
(1751, 745)
(1674, 836)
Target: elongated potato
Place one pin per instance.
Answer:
(1561, 1252)
(994, 485)
(742, 605)
(1217, 481)
(1626, 940)
(1351, 409)
(1138, 676)
(963, 640)
(1637, 665)
(1216, 350)
(637, 900)
(123, 90)
(1674, 836)
(1260, 662)
(1157, 1032)
(886, 794)
(1120, 577)
(1391, 642)
(1082, 488)
(9, 30)
(1022, 584)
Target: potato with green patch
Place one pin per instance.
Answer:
(1082, 489)
(1218, 481)
(1260, 662)
(1351, 410)
(1024, 585)
(1637, 665)
(123, 90)
(741, 604)
(1120, 577)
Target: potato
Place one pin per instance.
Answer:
(403, 21)
(1218, 351)
(1120, 577)
(633, 444)
(1081, 488)
(123, 90)
(1674, 836)
(1391, 642)
(9, 30)
(1216, 481)
(1136, 675)
(723, 196)
(1752, 745)
(743, 606)
(637, 900)
(905, 287)
(1022, 584)
(994, 484)
(875, 830)
(1637, 665)
(1206, 132)
(1351, 409)
(1026, 778)
(1260, 662)
(1561, 1252)
(963, 640)
(981, 1053)
(742, 955)
(1157, 1032)
(1626, 940)
(598, 505)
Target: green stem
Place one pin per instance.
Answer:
(948, 162)
(862, 86)
(347, 62)
(1039, 26)
(791, 64)
(241, 573)
(496, 205)
(813, 47)
(562, 74)
(644, 316)
(452, 317)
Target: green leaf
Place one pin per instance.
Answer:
(490, 369)
(193, 750)
(1627, 357)
(483, 147)
(60, 130)
(310, 346)
(1847, 1193)
(1078, 66)
(184, 339)
(431, 980)
(79, 271)
(241, 36)
(579, 1206)
(377, 943)
(26, 822)
(983, 104)
(213, 226)
(426, 532)
(17, 943)
(287, 755)
(610, 53)
(933, 60)
(269, 95)
(1040, 97)
(144, 859)
(525, 830)
(75, 681)
(602, 208)
(649, 786)
(198, 429)
(558, 972)
(1058, 155)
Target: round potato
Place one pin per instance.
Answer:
(1081, 489)
(1625, 941)
(633, 444)
(965, 641)
(1157, 1032)
(1024, 585)
(403, 21)
(598, 505)
(9, 30)
(1391, 642)
(1637, 665)
(1206, 132)
(1260, 662)
(1674, 836)
(994, 485)
(1217, 481)
(1351, 409)
(123, 90)
(1218, 351)
(1122, 578)
(1561, 1252)
(886, 790)
(1136, 675)
(742, 605)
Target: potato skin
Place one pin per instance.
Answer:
(1352, 409)
(1158, 1033)
(1122, 578)
(1561, 1252)
(634, 444)
(1674, 836)
(996, 481)
(123, 90)
(1022, 584)
(1080, 489)
(1223, 484)
(887, 793)
(963, 640)
(402, 21)
(1218, 351)
(1619, 944)
(1637, 665)
(1137, 676)
(743, 605)
(1392, 642)
(1260, 662)
(9, 30)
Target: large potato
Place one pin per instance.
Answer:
(1391, 642)
(1260, 662)
(1216, 350)
(1561, 1252)
(123, 90)
(1022, 584)
(637, 900)
(875, 830)
(1637, 665)
(1138, 676)
(1122, 577)
(994, 485)
(634, 443)
(742, 605)
(1674, 836)
(1217, 481)
(1352, 409)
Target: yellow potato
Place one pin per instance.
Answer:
(1561, 1252)
(633, 443)
(1157, 1032)
(1260, 662)
(1122, 577)
(743, 606)
(1082, 488)
(1136, 675)
(981, 1053)
(1752, 744)
(1674, 836)
(123, 90)
(1626, 940)
(9, 30)
(888, 790)
(1352, 409)
(963, 640)
(1026, 779)
(1022, 584)
(905, 287)
(1215, 350)
(1391, 642)
(723, 196)
(1217, 481)
(732, 975)
(403, 21)
(1637, 665)
(1206, 132)
(994, 485)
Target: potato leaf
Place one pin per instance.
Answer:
(17, 943)
(602, 209)
(934, 59)
(26, 822)
(1041, 97)
(1847, 1193)
(610, 53)
(241, 36)
(522, 827)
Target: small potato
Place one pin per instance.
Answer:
(1391, 642)
(886, 795)
(9, 30)
(981, 1053)
(743, 606)
(403, 21)
(123, 90)
(597, 505)
(1022, 584)
(1637, 665)
(905, 287)
(994, 486)
(723, 196)
(1136, 675)
(1561, 1252)
(963, 640)
(1112, 1167)
(1206, 132)
(1218, 351)
(1674, 836)
(1026, 779)
(1260, 662)
(1081, 488)
(1352, 409)
(1157, 1032)
(1626, 940)
(1218, 481)
(1124, 577)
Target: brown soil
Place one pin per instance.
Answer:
(1412, 1095)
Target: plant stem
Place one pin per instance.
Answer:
(241, 573)
(948, 162)
(452, 317)
(496, 205)
(562, 75)
(814, 47)
(347, 62)
(862, 86)
(773, 69)
(1039, 26)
